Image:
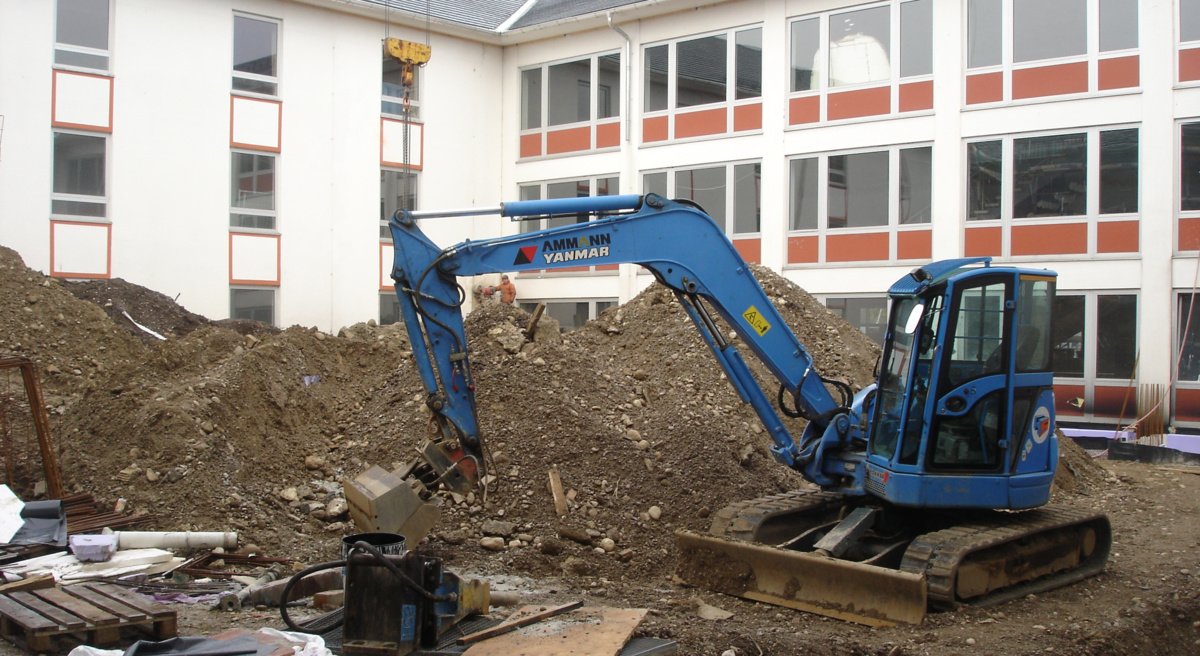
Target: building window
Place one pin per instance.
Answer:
(81, 34)
(569, 96)
(1051, 177)
(868, 314)
(842, 49)
(252, 305)
(570, 314)
(393, 90)
(579, 188)
(255, 55)
(79, 176)
(389, 309)
(397, 191)
(252, 191)
(877, 192)
(1189, 169)
(1094, 351)
(729, 193)
(1062, 47)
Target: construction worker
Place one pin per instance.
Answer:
(508, 291)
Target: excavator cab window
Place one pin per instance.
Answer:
(906, 321)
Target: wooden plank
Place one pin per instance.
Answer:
(25, 618)
(120, 594)
(36, 582)
(556, 489)
(586, 632)
(525, 619)
(116, 608)
(83, 609)
(55, 613)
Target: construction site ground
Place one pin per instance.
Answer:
(239, 426)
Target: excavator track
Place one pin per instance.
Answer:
(755, 520)
(1010, 555)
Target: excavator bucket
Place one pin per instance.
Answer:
(841, 589)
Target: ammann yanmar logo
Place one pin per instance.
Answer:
(566, 249)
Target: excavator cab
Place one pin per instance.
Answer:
(964, 410)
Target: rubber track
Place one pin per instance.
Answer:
(939, 554)
(741, 520)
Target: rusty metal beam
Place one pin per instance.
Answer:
(41, 422)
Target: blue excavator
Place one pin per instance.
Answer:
(931, 485)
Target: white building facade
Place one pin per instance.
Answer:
(229, 151)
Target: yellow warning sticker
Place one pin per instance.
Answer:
(756, 321)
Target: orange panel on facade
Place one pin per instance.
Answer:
(1053, 239)
(804, 110)
(859, 103)
(985, 88)
(857, 247)
(568, 141)
(1050, 80)
(699, 124)
(1117, 237)
(1189, 234)
(749, 249)
(608, 267)
(608, 135)
(914, 245)
(916, 96)
(1118, 73)
(1189, 65)
(1114, 401)
(531, 145)
(801, 250)
(1187, 404)
(1063, 395)
(747, 117)
(654, 129)
(981, 242)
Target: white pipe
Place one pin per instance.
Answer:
(628, 75)
(175, 540)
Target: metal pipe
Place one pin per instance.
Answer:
(628, 85)
(441, 214)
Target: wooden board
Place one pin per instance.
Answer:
(94, 614)
(593, 631)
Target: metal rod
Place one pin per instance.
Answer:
(467, 211)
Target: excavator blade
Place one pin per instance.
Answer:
(841, 589)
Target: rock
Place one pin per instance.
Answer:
(655, 512)
(152, 475)
(313, 462)
(577, 566)
(207, 427)
(454, 537)
(550, 547)
(971, 642)
(498, 528)
(492, 543)
(289, 494)
(707, 612)
(625, 555)
(633, 435)
(336, 507)
(575, 535)
(607, 545)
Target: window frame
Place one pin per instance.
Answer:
(821, 87)
(385, 233)
(82, 198)
(730, 208)
(389, 298)
(1089, 380)
(594, 308)
(84, 50)
(893, 225)
(274, 291)
(1177, 202)
(273, 213)
(414, 102)
(543, 124)
(672, 79)
(882, 299)
(256, 77)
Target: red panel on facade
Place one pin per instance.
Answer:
(914, 245)
(1050, 239)
(981, 242)
(1114, 401)
(857, 247)
(916, 96)
(1189, 65)
(1063, 394)
(1117, 237)
(749, 249)
(1187, 404)
(747, 117)
(985, 88)
(608, 267)
(608, 135)
(1118, 73)
(568, 141)
(801, 250)
(654, 129)
(701, 123)
(531, 145)
(804, 110)
(856, 104)
(1050, 80)
(1189, 234)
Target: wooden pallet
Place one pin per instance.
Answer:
(95, 612)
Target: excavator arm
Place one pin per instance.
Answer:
(685, 249)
